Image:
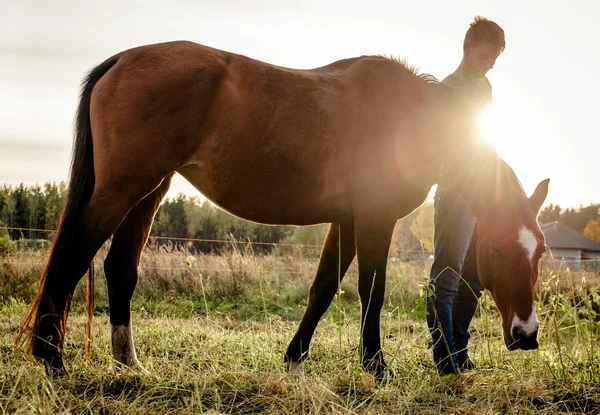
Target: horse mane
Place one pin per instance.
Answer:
(512, 193)
(413, 69)
(492, 182)
(474, 170)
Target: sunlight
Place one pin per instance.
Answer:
(513, 130)
(490, 125)
(520, 136)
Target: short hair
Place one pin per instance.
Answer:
(483, 30)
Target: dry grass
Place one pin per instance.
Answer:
(212, 331)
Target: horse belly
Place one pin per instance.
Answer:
(263, 200)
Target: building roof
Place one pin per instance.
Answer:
(560, 236)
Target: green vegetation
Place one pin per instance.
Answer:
(212, 329)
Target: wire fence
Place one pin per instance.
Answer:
(219, 241)
(422, 254)
(571, 262)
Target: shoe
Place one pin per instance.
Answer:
(448, 368)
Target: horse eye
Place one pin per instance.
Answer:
(495, 249)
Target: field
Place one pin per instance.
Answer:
(212, 329)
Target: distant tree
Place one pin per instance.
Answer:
(403, 238)
(550, 213)
(161, 224)
(171, 219)
(36, 202)
(422, 226)
(55, 199)
(592, 230)
(178, 224)
(4, 196)
(8, 208)
(21, 212)
(3, 231)
(579, 218)
(194, 215)
(309, 235)
(196, 218)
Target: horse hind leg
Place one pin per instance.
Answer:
(77, 242)
(121, 269)
(44, 327)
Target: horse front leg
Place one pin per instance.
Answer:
(373, 235)
(337, 255)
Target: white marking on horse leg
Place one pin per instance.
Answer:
(121, 345)
(296, 370)
(528, 241)
(529, 326)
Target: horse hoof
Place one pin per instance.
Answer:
(132, 367)
(296, 370)
(141, 370)
(54, 368)
(377, 368)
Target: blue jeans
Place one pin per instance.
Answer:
(454, 284)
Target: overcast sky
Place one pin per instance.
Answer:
(546, 87)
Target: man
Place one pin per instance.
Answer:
(454, 284)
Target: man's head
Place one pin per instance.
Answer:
(484, 42)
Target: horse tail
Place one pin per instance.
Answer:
(89, 296)
(80, 189)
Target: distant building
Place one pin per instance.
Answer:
(568, 245)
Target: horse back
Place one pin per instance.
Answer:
(268, 143)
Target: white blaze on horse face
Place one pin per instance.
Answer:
(529, 326)
(122, 348)
(528, 241)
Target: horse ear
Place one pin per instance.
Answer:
(539, 195)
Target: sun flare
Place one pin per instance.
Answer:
(489, 125)
(521, 137)
(500, 127)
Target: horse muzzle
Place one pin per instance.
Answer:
(521, 340)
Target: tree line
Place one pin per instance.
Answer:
(39, 207)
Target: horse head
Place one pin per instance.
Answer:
(510, 242)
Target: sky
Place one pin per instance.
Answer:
(544, 120)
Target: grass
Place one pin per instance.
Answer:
(212, 329)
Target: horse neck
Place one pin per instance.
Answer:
(500, 189)
(487, 182)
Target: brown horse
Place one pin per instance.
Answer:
(357, 144)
